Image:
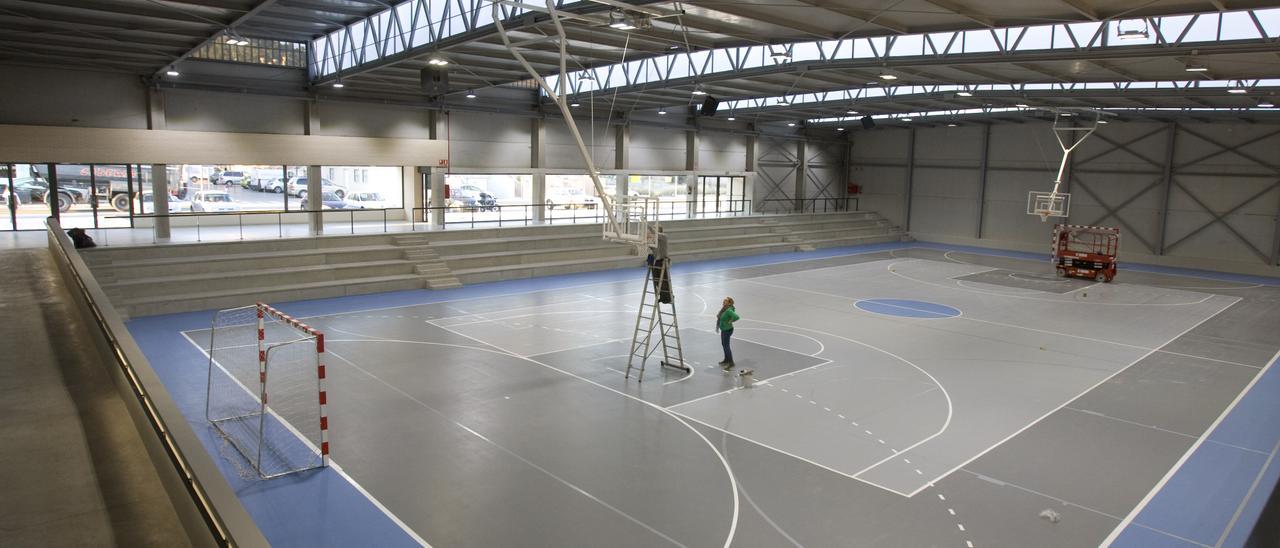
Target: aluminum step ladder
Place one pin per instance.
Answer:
(656, 318)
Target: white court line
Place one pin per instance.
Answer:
(1139, 270)
(733, 482)
(507, 317)
(506, 450)
(1028, 297)
(1068, 402)
(332, 463)
(1005, 290)
(581, 286)
(1045, 331)
(821, 347)
(1115, 533)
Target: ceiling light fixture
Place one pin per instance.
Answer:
(575, 104)
(339, 84)
(619, 20)
(662, 111)
(1266, 104)
(1134, 33)
(697, 90)
(438, 62)
(964, 94)
(1195, 67)
(791, 124)
(1020, 105)
(731, 118)
(887, 76)
(839, 129)
(171, 72)
(1066, 114)
(951, 125)
(851, 112)
(1237, 90)
(907, 119)
(1102, 121)
(471, 94)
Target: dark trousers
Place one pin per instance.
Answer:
(724, 341)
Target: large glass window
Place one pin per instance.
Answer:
(487, 197)
(30, 195)
(672, 196)
(721, 194)
(575, 197)
(363, 187)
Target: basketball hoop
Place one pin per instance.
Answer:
(1048, 204)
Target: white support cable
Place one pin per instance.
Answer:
(1060, 131)
(605, 202)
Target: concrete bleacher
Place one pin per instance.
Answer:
(158, 279)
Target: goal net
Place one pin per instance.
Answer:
(265, 393)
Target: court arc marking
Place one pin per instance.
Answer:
(733, 482)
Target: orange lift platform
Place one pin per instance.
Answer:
(1086, 251)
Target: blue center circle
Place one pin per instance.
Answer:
(907, 308)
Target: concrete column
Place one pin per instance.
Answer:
(982, 178)
(160, 193)
(622, 147)
(311, 117)
(802, 170)
(906, 193)
(314, 200)
(537, 143)
(691, 150)
(410, 181)
(623, 186)
(751, 152)
(538, 161)
(691, 184)
(539, 197)
(155, 109)
(1166, 186)
(436, 180)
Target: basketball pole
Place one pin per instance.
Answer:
(560, 101)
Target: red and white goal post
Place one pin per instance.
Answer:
(266, 389)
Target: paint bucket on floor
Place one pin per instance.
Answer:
(748, 377)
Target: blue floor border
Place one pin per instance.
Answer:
(323, 508)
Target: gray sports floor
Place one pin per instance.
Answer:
(506, 421)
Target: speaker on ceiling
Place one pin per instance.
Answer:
(868, 123)
(709, 106)
(435, 80)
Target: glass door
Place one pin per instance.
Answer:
(722, 194)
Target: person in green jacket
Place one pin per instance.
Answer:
(724, 324)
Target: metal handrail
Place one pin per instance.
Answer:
(226, 519)
(810, 205)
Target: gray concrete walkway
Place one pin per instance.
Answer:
(73, 469)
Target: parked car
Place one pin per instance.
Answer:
(227, 178)
(366, 200)
(213, 201)
(144, 203)
(262, 178)
(571, 198)
(328, 200)
(276, 185)
(297, 186)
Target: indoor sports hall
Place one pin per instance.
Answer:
(640, 273)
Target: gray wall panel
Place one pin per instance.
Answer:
(44, 97)
(722, 151)
(481, 140)
(365, 120)
(200, 111)
(657, 148)
(562, 150)
(1117, 179)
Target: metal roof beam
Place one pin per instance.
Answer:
(243, 17)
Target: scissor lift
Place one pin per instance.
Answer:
(1086, 251)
